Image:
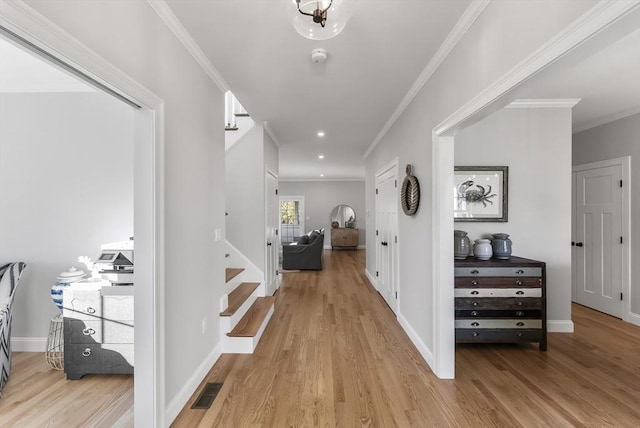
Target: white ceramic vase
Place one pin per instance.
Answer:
(482, 249)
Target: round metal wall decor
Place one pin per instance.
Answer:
(410, 193)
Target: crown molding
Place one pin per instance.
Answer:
(171, 20)
(544, 103)
(320, 179)
(603, 14)
(588, 124)
(459, 30)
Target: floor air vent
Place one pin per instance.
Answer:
(207, 396)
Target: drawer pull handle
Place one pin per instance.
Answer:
(474, 282)
(475, 324)
(519, 272)
(519, 303)
(88, 331)
(519, 292)
(518, 282)
(475, 334)
(474, 313)
(474, 303)
(519, 313)
(475, 292)
(90, 310)
(86, 352)
(519, 334)
(520, 324)
(475, 272)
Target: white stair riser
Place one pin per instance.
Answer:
(245, 345)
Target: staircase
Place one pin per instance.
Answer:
(245, 311)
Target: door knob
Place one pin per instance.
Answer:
(579, 244)
(268, 244)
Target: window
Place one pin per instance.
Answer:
(291, 218)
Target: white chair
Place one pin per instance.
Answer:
(9, 277)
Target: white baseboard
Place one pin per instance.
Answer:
(360, 247)
(422, 347)
(559, 326)
(371, 279)
(177, 404)
(28, 344)
(632, 318)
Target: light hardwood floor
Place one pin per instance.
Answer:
(334, 356)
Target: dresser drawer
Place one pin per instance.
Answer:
(495, 313)
(478, 335)
(498, 271)
(515, 303)
(498, 292)
(497, 282)
(117, 307)
(80, 359)
(82, 304)
(83, 331)
(482, 323)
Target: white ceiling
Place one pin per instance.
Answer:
(372, 65)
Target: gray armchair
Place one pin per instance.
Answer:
(9, 276)
(306, 253)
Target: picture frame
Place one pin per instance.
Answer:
(480, 193)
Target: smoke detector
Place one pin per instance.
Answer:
(318, 56)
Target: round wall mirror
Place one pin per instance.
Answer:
(343, 216)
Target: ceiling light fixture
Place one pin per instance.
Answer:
(319, 19)
(321, 175)
(321, 134)
(320, 156)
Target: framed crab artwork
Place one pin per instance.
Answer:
(480, 193)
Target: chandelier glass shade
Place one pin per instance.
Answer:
(319, 19)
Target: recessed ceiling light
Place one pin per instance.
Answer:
(321, 175)
(321, 134)
(320, 156)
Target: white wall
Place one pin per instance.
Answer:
(245, 203)
(131, 36)
(271, 158)
(503, 35)
(536, 146)
(613, 140)
(66, 187)
(320, 197)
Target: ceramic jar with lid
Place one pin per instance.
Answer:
(461, 245)
(501, 245)
(64, 279)
(482, 249)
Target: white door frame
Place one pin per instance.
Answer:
(274, 245)
(392, 165)
(625, 164)
(149, 371)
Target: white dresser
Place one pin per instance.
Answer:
(98, 329)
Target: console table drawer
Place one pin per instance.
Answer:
(498, 292)
(498, 335)
(498, 282)
(513, 303)
(497, 313)
(498, 323)
(99, 331)
(498, 271)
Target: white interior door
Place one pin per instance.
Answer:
(386, 234)
(598, 239)
(272, 226)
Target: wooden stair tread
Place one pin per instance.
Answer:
(238, 296)
(250, 323)
(231, 273)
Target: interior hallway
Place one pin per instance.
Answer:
(334, 355)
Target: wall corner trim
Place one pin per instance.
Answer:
(171, 20)
(423, 349)
(459, 30)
